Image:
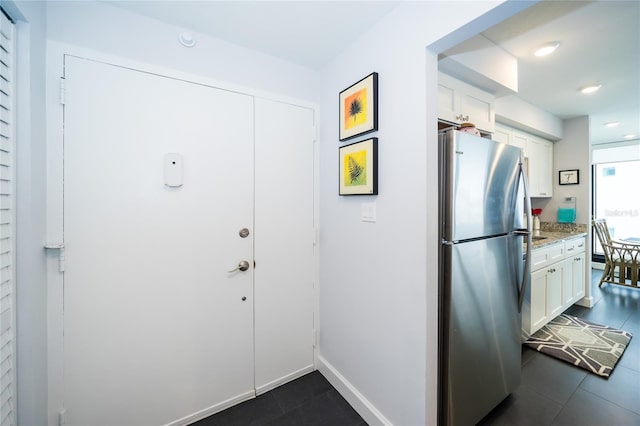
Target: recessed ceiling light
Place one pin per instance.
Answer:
(630, 136)
(591, 89)
(612, 124)
(547, 49)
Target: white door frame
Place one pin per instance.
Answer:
(55, 70)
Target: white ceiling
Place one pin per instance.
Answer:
(600, 44)
(309, 33)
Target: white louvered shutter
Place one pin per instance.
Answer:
(7, 227)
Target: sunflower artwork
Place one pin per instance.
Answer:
(359, 108)
(358, 168)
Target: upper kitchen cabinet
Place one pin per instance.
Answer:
(538, 153)
(459, 102)
(509, 136)
(540, 167)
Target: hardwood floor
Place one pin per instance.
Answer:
(552, 392)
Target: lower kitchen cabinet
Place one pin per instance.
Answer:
(578, 278)
(557, 282)
(537, 313)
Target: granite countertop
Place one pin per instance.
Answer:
(555, 232)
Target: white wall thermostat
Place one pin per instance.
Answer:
(173, 170)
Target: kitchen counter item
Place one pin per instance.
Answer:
(567, 210)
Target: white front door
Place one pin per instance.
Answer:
(155, 327)
(284, 250)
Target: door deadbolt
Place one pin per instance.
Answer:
(243, 265)
(244, 233)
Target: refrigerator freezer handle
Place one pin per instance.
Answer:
(526, 276)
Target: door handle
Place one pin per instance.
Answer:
(243, 265)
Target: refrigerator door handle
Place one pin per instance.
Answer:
(526, 276)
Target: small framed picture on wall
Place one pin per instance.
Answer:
(569, 177)
(359, 108)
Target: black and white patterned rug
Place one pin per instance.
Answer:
(594, 347)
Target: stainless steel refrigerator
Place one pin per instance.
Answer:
(483, 274)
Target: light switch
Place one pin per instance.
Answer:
(368, 212)
(173, 170)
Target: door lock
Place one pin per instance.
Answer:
(244, 233)
(243, 265)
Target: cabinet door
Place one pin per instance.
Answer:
(478, 106)
(538, 312)
(446, 98)
(459, 102)
(567, 282)
(554, 290)
(502, 135)
(540, 168)
(546, 175)
(578, 281)
(521, 142)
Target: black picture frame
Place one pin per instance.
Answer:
(358, 168)
(569, 177)
(358, 108)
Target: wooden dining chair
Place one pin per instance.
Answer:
(622, 260)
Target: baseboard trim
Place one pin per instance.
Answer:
(286, 379)
(586, 302)
(362, 405)
(192, 418)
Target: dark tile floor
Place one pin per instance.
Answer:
(556, 393)
(309, 400)
(552, 392)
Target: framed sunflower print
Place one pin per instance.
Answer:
(359, 168)
(359, 108)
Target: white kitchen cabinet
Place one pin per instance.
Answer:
(459, 102)
(502, 135)
(540, 167)
(538, 155)
(536, 316)
(578, 277)
(567, 281)
(576, 259)
(557, 281)
(554, 283)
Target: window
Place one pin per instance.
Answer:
(615, 199)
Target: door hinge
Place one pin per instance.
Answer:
(314, 236)
(314, 134)
(62, 91)
(314, 336)
(60, 248)
(62, 417)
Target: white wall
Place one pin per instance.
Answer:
(572, 152)
(31, 294)
(379, 281)
(103, 32)
(517, 113)
(115, 31)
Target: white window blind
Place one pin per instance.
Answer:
(7, 226)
